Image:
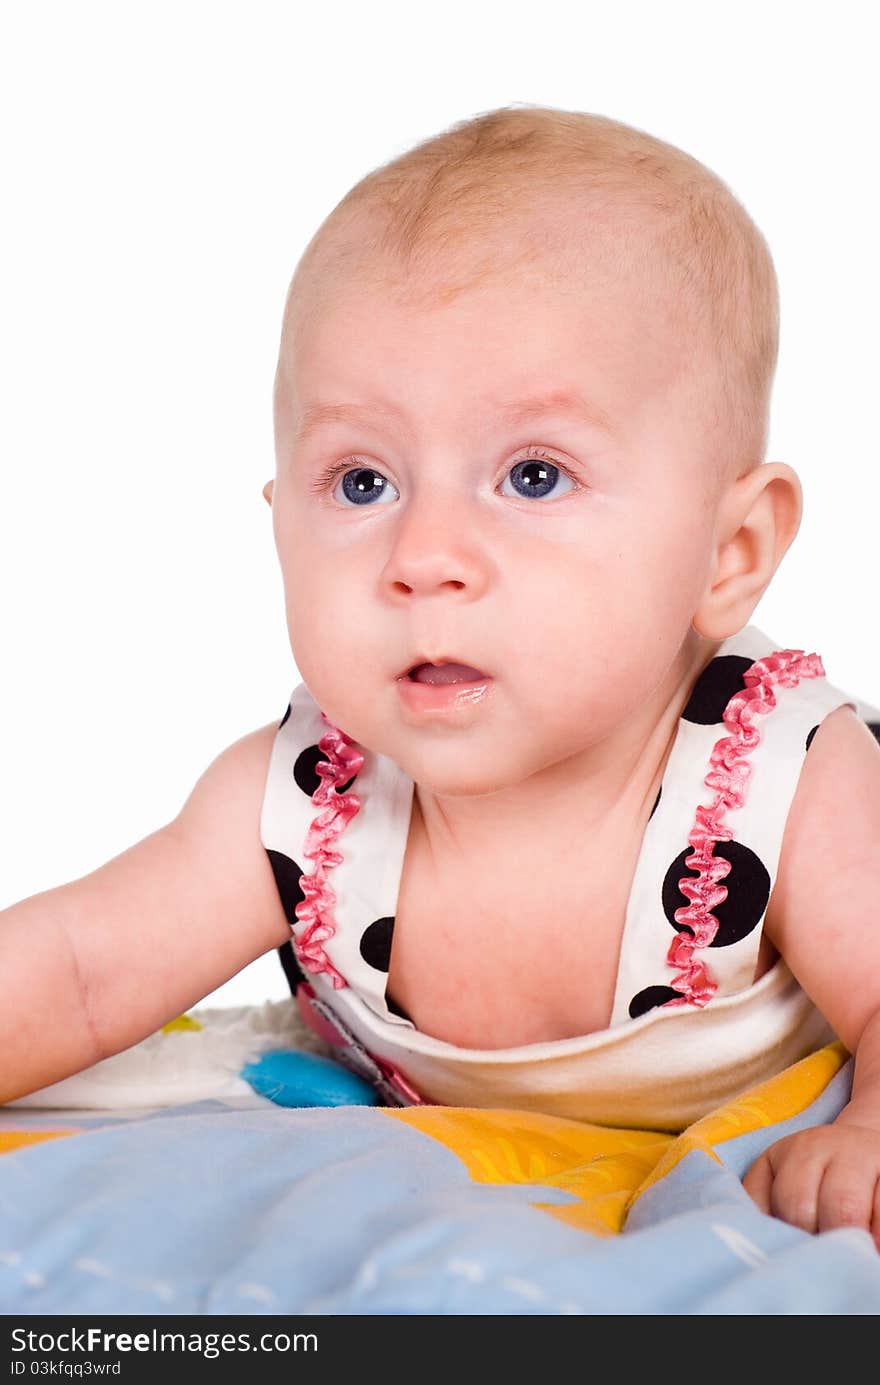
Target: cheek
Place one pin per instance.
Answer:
(330, 639)
(656, 545)
(672, 559)
(582, 599)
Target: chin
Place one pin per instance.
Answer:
(447, 781)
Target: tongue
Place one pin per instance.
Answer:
(445, 673)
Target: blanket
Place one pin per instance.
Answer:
(218, 1199)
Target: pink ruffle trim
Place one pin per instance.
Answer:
(729, 775)
(383, 1074)
(337, 810)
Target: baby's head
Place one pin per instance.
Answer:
(589, 552)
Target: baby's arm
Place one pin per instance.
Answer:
(93, 966)
(824, 918)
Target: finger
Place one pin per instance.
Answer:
(875, 1220)
(846, 1194)
(795, 1192)
(758, 1182)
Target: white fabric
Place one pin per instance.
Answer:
(201, 1061)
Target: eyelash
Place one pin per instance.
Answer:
(336, 469)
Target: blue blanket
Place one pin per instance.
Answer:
(242, 1206)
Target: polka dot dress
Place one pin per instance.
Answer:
(786, 732)
(372, 846)
(365, 880)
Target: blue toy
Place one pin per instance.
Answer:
(292, 1078)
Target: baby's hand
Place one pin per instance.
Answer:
(821, 1178)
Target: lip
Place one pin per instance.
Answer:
(436, 659)
(429, 699)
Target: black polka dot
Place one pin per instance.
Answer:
(720, 680)
(287, 957)
(284, 718)
(748, 890)
(307, 776)
(376, 944)
(650, 998)
(287, 877)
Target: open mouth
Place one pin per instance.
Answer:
(442, 674)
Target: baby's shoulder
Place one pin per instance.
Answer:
(836, 800)
(232, 785)
(220, 822)
(821, 915)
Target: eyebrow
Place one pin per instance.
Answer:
(516, 408)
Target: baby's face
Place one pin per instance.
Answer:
(525, 494)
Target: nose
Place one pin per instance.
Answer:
(436, 548)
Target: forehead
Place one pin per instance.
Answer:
(516, 335)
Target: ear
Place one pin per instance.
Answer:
(267, 491)
(756, 522)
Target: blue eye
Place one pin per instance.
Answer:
(535, 476)
(364, 485)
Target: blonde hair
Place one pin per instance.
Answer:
(422, 209)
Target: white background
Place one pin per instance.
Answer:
(163, 167)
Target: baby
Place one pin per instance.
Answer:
(523, 520)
